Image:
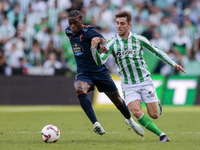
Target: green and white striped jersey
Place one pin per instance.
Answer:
(128, 56)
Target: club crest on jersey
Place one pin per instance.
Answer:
(77, 49)
(130, 52)
(125, 47)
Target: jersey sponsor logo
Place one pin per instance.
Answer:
(68, 31)
(130, 52)
(77, 49)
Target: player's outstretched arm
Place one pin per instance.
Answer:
(178, 67)
(95, 41)
(100, 60)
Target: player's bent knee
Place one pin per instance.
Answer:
(154, 116)
(137, 113)
(79, 89)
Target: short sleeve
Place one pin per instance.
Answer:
(92, 32)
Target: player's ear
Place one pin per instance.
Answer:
(130, 24)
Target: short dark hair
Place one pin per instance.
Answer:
(126, 14)
(75, 13)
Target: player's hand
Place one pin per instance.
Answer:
(95, 41)
(178, 67)
(103, 50)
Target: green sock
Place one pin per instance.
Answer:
(148, 124)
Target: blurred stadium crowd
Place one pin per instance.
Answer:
(32, 32)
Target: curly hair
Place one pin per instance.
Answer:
(126, 14)
(75, 13)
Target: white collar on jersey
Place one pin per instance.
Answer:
(129, 36)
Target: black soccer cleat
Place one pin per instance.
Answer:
(164, 138)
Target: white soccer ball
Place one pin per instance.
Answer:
(50, 134)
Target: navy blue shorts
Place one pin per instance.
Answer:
(102, 80)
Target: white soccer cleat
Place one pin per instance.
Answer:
(136, 127)
(98, 128)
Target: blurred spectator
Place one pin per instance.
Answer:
(75, 4)
(62, 4)
(161, 43)
(194, 12)
(43, 37)
(164, 5)
(35, 57)
(155, 16)
(182, 4)
(92, 12)
(24, 4)
(15, 17)
(5, 6)
(176, 16)
(158, 41)
(23, 63)
(138, 27)
(51, 49)
(127, 6)
(105, 17)
(68, 56)
(52, 62)
(168, 29)
(190, 31)
(141, 11)
(148, 33)
(7, 31)
(18, 40)
(44, 22)
(39, 6)
(107, 34)
(33, 18)
(28, 35)
(59, 38)
(52, 14)
(182, 45)
(13, 56)
(63, 19)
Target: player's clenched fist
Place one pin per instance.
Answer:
(103, 50)
(95, 41)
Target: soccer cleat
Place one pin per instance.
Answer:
(136, 127)
(160, 111)
(164, 138)
(98, 128)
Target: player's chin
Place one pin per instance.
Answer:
(74, 31)
(120, 34)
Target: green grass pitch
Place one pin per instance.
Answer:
(20, 128)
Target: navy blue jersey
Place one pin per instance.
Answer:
(81, 43)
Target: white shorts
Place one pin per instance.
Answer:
(143, 91)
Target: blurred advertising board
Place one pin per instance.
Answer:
(180, 90)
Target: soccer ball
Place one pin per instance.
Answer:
(50, 134)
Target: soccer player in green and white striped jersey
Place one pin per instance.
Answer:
(127, 50)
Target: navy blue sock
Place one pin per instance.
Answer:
(124, 110)
(87, 106)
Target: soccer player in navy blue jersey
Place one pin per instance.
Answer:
(89, 74)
